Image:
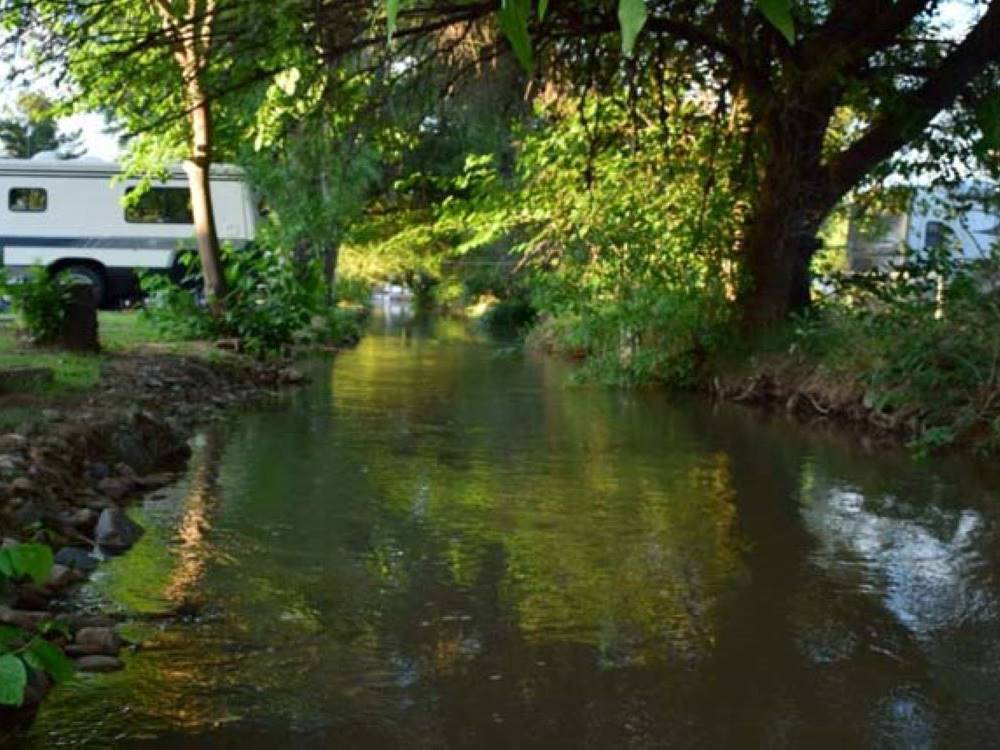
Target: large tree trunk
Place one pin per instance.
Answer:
(780, 242)
(792, 198)
(198, 168)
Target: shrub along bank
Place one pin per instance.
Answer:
(276, 303)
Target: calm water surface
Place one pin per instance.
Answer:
(443, 544)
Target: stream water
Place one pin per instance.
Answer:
(442, 543)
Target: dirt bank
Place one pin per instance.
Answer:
(812, 394)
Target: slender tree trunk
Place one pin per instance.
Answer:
(191, 37)
(198, 171)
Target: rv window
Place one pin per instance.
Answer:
(27, 199)
(161, 205)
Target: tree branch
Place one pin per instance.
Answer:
(903, 120)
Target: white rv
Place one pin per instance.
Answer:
(69, 215)
(966, 220)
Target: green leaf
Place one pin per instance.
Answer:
(6, 564)
(33, 560)
(632, 15)
(45, 656)
(391, 16)
(543, 6)
(514, 16)
(13, 678)
(779, 13)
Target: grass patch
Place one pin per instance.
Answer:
(120, 333)
(125, 331)
(71, 371)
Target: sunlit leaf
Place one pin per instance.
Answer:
(779, 13)
(13, 679)
(543, 6)
(632, 15)
(514, 16)
(391, 16)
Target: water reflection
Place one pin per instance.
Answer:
(445, 545)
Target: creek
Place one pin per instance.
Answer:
(443, 542)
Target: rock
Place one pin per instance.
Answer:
(99, 664)
(12, 441)
(116, 531)
(79, 325)
(27, 512)
(80, 620)
(98, 470)
(125, 471)
(63, 576)
(149, 444)
(23, 485)
(83, 519)
(10, 465)
(98, 641)
(291, 376)
(76, 558)
(116, 488)
(32, 597)
(22, 618)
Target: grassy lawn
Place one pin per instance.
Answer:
(120, 332)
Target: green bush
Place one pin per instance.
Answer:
(40, 300)
(274, 301)
(173, 309)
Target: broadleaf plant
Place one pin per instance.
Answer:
(632, 15)
(779, 14)
(20, 650)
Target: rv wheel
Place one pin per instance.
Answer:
(89, 275)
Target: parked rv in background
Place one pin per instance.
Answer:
(68, 215)
(966, 220)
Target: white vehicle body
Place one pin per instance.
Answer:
(70, 215)
(967, 221)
